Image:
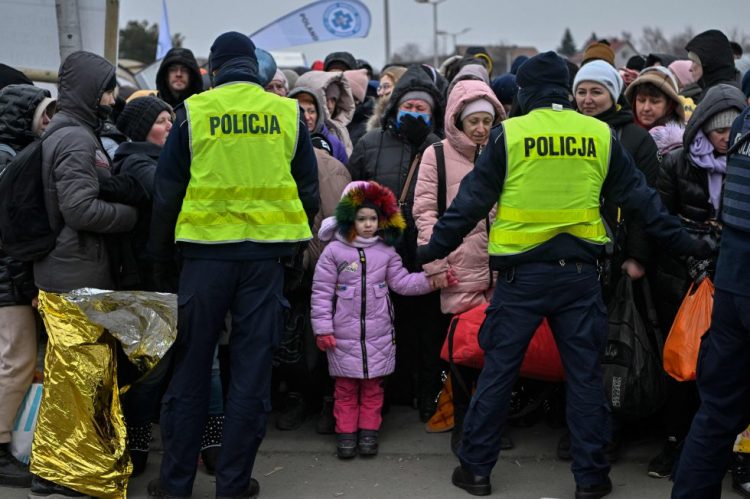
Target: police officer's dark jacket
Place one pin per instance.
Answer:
(173, 176)
(733, 267)
(482, 188)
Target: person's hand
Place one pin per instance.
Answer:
(325, 342)
(438, 281)
(414, 129)
(35, 302)
(633, 269)
(628, 75)
(452, 280)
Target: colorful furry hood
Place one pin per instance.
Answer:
(361, 194)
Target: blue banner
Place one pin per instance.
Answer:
(164, 44)
(320, 21)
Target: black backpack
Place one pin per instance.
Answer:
(26, 233)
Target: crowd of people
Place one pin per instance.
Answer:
(322, 226)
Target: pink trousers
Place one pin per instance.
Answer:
(357, 405)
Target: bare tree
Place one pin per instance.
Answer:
(742, 38)
(653, 40)
(411, 52)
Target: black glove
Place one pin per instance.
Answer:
(166, 276)
(701, 249)
(123, 189)
(414, 129)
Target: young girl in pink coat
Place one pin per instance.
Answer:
(352, 316)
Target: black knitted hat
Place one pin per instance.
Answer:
(546, 68)
(139, 116)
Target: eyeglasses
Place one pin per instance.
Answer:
(384, 88)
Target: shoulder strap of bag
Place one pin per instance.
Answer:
(453, 369)
(442, 193)
(651, 314)
(407, 184)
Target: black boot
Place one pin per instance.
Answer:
(13, 473)
(346, 445)
(139, 443)
(368, 442)
(211, 442)
(41, 489)
(741, 474)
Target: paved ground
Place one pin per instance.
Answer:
(414, 464)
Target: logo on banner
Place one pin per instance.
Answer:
(342, 19)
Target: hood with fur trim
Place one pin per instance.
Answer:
(391, 223)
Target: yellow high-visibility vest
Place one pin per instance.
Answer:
(557, 161)
(242, 140)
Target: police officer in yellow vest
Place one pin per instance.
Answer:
(547, 172)
(236, 188)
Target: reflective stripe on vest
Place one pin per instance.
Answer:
(556, 164)
(242, 140)
(736, 203)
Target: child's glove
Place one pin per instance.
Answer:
(325, 342)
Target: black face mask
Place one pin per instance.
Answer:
(103, 112)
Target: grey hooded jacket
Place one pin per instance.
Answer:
(74, 162)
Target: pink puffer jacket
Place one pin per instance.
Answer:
(470, 261)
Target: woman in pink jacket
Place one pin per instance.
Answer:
(471, 111)
(352, 316)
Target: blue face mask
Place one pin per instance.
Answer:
(423, 116)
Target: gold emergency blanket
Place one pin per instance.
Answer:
(742, 443)
(79, 441)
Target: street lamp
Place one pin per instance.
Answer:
(434, 3)
(454, 36)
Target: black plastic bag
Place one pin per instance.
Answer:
(634, 379)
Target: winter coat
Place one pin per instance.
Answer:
(470, 262)
(684, 190)
(350, 299)
(73, 164)
(128, 250)
(384, 155)
(339, 151)
(344, 107)
(638, 142)
(17, 106)
(715, 53)
(185, 57)
(332, 178)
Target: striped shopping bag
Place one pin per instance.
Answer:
(23, 429)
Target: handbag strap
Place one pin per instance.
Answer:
(409, 177)
(457, 375)
(442, 189)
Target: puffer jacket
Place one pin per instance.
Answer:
(344, 112)
(178, 55)
(351, 300)
(17, 106)
(332, 178)
(470, 262)
(339, 151)
(384, 155)
(684, 190)
(73, 164)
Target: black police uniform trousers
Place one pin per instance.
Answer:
(252, 292)
(568, 293)
(724, 387)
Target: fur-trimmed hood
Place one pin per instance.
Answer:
(391, 223)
